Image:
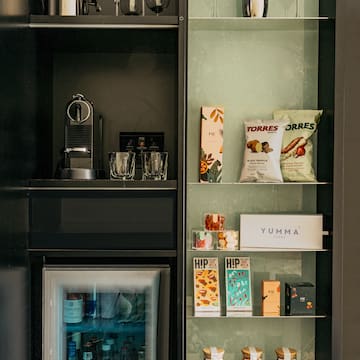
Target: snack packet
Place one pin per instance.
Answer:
(261, 161)
(296, 159)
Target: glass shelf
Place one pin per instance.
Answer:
(97, 21)
(243, 23)
(104, 325)
(288, 317)
(243, 251)
(101, 185)
(257, 183)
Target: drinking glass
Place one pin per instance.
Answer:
(157, 6)
(122, 165)
(154, 165)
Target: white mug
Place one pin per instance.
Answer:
(67, 7)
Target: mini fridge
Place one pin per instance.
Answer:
(106, 313)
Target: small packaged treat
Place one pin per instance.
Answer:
(300, 298)
(203, 240)
(213, 353)
(285, 353)
(227, 240)
(211, 151)
(214, 222)
(252, 353)
(206, 286)
(270, 298)
(238, 286)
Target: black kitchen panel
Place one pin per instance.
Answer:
(135, 220)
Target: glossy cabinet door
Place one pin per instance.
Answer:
(253, 67)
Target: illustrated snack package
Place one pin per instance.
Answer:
(261, 161)
(211, 150)
(206, 286)
(238, 286)
(296, 159)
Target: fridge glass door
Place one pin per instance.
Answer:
(100, 313)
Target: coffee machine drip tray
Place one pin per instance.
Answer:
(78, 174)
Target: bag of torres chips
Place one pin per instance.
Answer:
(297, 151)
(262, 151)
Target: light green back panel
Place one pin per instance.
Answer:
(250, 72)
(238, 333)
(277, 8)
(236, 199)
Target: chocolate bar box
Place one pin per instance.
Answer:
(300, 298)
(211, 151)
(238, 286)
(270, 297)
(206, 286)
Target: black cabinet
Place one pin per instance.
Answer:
(132, 69)
(103, 219)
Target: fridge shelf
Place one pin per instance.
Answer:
(107, 325)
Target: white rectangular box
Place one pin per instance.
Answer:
(264, 231)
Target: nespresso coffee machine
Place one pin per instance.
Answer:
(82, 154)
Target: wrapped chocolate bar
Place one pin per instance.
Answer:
(206, 286)
(238, 286)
